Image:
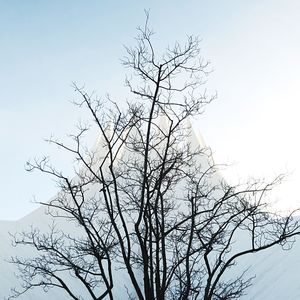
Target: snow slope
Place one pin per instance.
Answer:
(38, 219)
(277, 271)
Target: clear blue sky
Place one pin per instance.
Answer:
(253, 46)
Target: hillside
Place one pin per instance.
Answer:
(276, 270)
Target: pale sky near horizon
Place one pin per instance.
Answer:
(253, 47)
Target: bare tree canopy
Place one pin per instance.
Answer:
(149, 200)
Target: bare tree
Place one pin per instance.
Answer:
(149, 199)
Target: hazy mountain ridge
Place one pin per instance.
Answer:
(276, 270)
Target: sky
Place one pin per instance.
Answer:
(253, 47)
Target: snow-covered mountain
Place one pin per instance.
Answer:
(277, 271)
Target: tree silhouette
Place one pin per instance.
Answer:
(149, 199)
